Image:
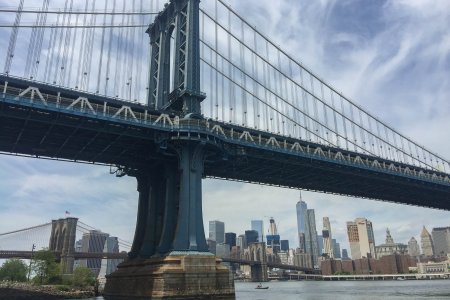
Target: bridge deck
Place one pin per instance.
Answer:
(108, 131)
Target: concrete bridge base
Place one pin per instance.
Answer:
(199, 276)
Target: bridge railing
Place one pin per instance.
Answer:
(238, 134)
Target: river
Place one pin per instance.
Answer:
(344, 290)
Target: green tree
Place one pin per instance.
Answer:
(45, 267)
(13, 270)
(83, 277)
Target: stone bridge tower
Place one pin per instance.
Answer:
(62, 240)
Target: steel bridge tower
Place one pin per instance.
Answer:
(169, 257)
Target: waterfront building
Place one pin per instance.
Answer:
(442, 267)
(441, 241)
(327, 238)
(284, 257)
(336, 249)
(284, 245)
(390, 247)
(93, 241)
(361, 238)
(217, 231)
(301, 208)
(230, 239)
(413, 247)
(251, 236)
(426, 243)
(258, 225)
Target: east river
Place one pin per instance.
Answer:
(345, 290)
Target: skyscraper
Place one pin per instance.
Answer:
(327, 239)
(427, 243)
(258, 226)
(345, 254)
(441, 240)
(230, 239)
(284, 244)
(361, 238)
(320, 243)
(312, 245)
(336, 249)
(301, 223)
(273, 239)
(240, 242)
(251, 236)
(217, 231)
(93, 242)
(413, 247)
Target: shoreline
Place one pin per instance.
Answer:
(19, 291)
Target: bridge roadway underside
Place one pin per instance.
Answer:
(41, 132)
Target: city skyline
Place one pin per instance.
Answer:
(358, 61)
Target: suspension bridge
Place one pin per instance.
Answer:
(208, 96)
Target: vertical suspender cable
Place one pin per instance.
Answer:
(67, 40)
(88, 59)
(108, 61)
(13, 39)
(62, 33)
(99, 74)
(82, 50)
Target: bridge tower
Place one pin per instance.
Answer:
(169, 257)
(258, 271)
(62, 240)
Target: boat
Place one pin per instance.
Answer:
(260, 287)
(400, 278)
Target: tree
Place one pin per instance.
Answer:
(83, 276)
(13, 270)
(45, 267)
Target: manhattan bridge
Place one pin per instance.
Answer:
(204, 94)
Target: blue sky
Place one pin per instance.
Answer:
(390, 57)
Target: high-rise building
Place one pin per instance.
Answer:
(258, 225)
(217, 231)
(441, 241)
(327, 239)
(284, 244)
(320, 243)
(240, 242)
(345, 254)
(223, 250)
(361, 238)
(93, 242)
(336, 249)
(109, 265)
(230, 239)
(301, 223)
(413, 247)
(427, 243)
(251, 236)
(312, 245)
(211, 245)
(273, 239)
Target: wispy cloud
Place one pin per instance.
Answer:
(391, 57)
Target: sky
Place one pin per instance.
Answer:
(390, 57)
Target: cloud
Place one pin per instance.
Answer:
(391, 57)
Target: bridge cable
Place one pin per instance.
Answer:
(333, 90)
(13, 39)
